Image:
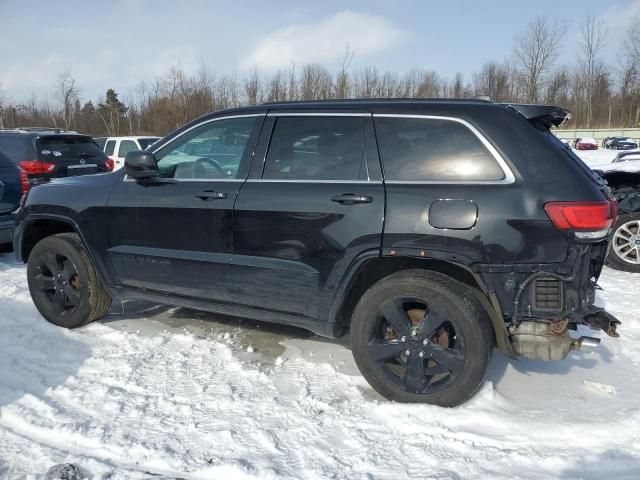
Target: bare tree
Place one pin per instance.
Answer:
(67, 94)
(493, 80)
(591, 43)
(535, 52)
(342, 77)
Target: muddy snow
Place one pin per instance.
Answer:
(155, 392)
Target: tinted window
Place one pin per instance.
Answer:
(145, 142)
(214, 150)
(16, 147)
(316, 148)
(51, 148)
(110, 147)
(100, 141)
(126, 146)
(4, 161)
(434, 150)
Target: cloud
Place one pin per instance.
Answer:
(324, 40)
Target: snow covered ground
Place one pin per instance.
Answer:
(166, 393)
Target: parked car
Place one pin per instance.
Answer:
(605, 141)
(621, 143)
(432, 230)
(13, 183)
(626, 157)
(117, 147)
(44, 153)
(586, 143)
(623, 177)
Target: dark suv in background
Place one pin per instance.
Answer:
(432, 230)
(45, 153)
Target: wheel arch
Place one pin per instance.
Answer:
(373, 269)
(39, 227)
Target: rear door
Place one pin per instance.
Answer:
(314, 201)
(174, 235)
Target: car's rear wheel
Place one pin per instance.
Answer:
(63, 282)
(624, 250)
(420, 336)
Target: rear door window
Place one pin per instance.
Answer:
(316, 148)
(110, 147)
(125, 147)
(51, 149)
(435, 150)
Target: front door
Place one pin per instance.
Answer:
(174, 235)
(313, 202)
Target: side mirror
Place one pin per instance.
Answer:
(140, 165)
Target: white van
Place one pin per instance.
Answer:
(117, 147)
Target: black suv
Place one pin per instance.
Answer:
(432, 230)
(45, 153)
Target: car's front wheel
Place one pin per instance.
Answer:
(420, 336)
(624, 249)
(63, 282)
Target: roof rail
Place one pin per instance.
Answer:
(36, 129)
(43, 129)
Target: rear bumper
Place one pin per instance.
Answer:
(543, 302)
(7, 227)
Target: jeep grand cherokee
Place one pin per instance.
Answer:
(433, 230)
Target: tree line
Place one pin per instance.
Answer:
(601, 93)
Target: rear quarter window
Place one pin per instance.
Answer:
(432, 149)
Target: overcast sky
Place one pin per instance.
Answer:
(117, 44)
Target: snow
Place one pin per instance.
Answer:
(165, 392)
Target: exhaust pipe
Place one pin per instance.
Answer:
(586, 344)
(537, 340)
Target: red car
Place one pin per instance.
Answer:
(585, 144)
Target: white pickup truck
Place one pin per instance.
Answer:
(117, 147)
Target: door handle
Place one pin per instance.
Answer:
(211, 195)
(351, 198)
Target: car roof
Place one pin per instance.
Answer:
(407, 106)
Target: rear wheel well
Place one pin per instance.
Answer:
(376, 269)
(39, 229)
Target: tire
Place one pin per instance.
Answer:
(624, 249)
(63, 282)
(444, 322)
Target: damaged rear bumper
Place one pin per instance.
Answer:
(542, 303)
(547, 340)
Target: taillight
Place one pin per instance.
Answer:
(109, 164)
(24, 181)
(588, 219)
(36, 167)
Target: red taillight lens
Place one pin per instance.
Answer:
(582, 215)
(24, 181)
(108, 164)
(36, 167)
